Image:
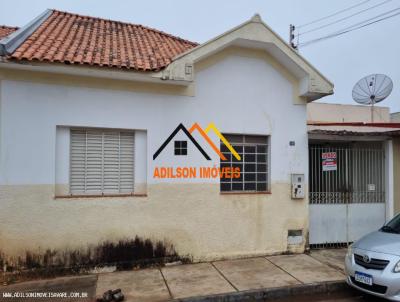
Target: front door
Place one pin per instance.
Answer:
(346, 191)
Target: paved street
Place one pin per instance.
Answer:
(85, 285)
(348, 295)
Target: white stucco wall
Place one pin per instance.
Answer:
(342, 113)
(239, 94)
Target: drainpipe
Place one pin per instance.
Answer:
(389, 184)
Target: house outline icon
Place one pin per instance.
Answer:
(172, 135)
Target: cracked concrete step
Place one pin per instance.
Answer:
(253, 273)
(145, 285)
(306, 269)
(195, 280)
(331, 257)
(304, 292)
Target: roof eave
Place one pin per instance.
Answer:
(95, 72)
(349, 137)
(311, 96)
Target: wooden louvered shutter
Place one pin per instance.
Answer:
(126, 176)
(77, 180)
(102, 162)
(94, 156)
(111, 162)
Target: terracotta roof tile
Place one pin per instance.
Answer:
(75, 39)
(6, 30)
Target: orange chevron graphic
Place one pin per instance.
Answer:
(196, 126)
(203, 133)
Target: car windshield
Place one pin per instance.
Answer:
(393, 226)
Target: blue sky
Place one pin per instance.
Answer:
(344, 60)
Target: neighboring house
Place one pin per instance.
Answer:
(86, 105)
(341, 113)
(395, 117)
(6, 30)
(354, 166)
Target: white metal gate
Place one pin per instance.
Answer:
(346, 192)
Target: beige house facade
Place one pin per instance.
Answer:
(93, 154)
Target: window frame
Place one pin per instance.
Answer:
(232, 138)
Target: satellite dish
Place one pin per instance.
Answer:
(372, 89)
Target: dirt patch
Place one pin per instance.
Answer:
(124, 254)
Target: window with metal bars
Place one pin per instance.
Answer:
(253, 150)
(101, 162)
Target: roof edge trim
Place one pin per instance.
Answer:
(94, 72)
(356, 124)
(11, 42)
(256, 19)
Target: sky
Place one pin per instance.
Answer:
(343, 60)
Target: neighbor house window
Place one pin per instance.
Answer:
(101, 161)
(180, 147)
(253, 150)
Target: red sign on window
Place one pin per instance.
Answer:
(329, 161)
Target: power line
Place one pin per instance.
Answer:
(334, 14)
(370, 19)
(345, 31)
(344, 18)
(351, 28)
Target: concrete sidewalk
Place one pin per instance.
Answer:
(223, 277)
(229, 280)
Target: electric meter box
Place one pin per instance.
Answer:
(298, 190)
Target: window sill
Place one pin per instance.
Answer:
(99, 196)
(245, 193)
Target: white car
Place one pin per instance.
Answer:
(373, 263)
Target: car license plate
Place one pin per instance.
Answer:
(363, 278)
